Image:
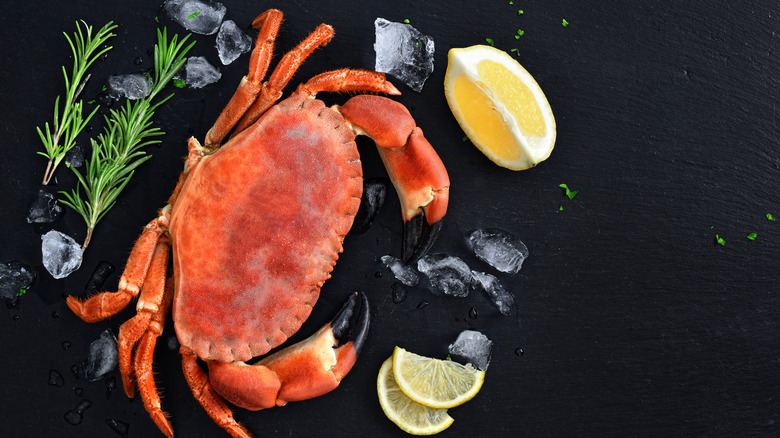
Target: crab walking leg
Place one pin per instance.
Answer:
(153, 301)
(415, 169)
(347, 79)
(105, 304)
(202, 390)
(308, 369)
(144, 357)
(268, 22)
(272, 90)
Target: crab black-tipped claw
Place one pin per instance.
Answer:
(419, 236)
(352, 321)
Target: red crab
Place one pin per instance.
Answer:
(255, 226)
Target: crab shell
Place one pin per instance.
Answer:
(257, 229)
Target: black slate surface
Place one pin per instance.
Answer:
(631, 319)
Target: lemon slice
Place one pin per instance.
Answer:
(500, 106)
(409, 415)
(440, 384)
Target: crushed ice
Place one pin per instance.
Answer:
(472, 347)
(103, 356)
(44, 209)
(198, 72)
(403, 273)
(61, 254)
(448, 274)
(15, 279)
(500, 249)
(493, 289)
(202, 17)
(133, 86)
(231, 42)
(404, 52)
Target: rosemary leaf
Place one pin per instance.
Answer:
(60, 136)
(118, 150)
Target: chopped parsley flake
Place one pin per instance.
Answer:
(406, 20)
(570, 194)
(465, 138)
(489, 41)
(511, 3)
(560, 208)
(178, 83)
(752, 236)
(720, 241)
(91, 101)
(564, 22)
(517, 52)
(22, 291)
(193, 15)
(156, 20)
(520, 12)
(520, 32)
(770, 217)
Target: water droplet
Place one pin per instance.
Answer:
(78, 391)
(473, 314)
(519, 352)
(422, 304)
(110, 385)
(76, 416)
(66, 345)
(56, 379)
(76, 371)
(378, 274)
(89, 128)
(138, 61)
(399, 293)
(120, 427)
(55, 314)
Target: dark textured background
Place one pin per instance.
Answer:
(633, 322)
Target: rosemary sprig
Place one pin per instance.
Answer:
(117, 152)
(60, 138)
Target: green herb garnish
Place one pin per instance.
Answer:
(520, 12)
(770, 217)
(520, 33)
(193, 15)
(60, 137)
(516, 52)
(564, 22)
(719, 240)
(406, 20)
(21, 292)
(465, 138)
(752, 236)
(117, 152)
(570, 194)
(489, 41)
(560, 208)
(178, 83)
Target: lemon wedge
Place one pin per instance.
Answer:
(499, 106)
(409, 415)
(440, 384)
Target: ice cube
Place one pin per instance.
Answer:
(203, 17)
(231, 42)
(500, 249)
(448, 274)
(404, 52)
(374, 193)
(198, 72)
(44, 209)
(403, 273)
(75, 156)
(490, 285)
(133, 86)
(472, 347)
(15, 279)
(103, 356)
(60, 253)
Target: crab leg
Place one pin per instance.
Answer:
(272, 90)
(301, 371)
(415, 169)
(105, 304)
(268, 22)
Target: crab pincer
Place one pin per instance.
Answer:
(308, 369)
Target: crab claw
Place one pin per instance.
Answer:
(419, 177)
(305, 370)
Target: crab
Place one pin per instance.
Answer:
(254, 227)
